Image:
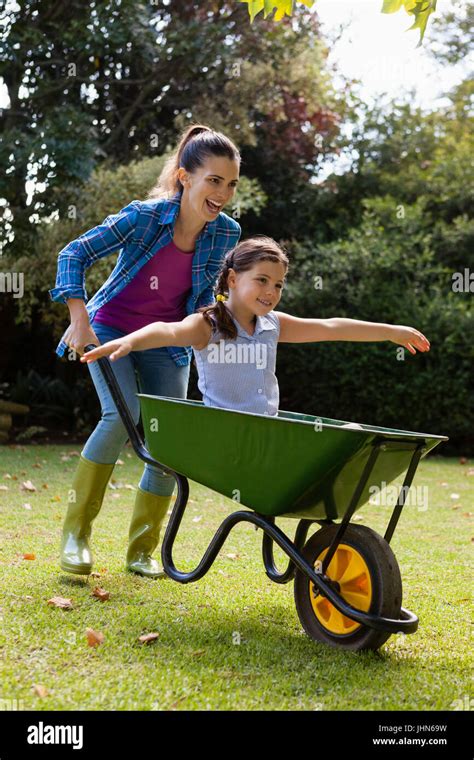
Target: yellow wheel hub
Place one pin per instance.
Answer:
(350, 570)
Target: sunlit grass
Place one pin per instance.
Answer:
(232, 640)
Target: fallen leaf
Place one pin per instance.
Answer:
(129, 455)
(38, 466)
(129, 486)
(94, 638)
(233, 556)
(56, 498)
(454, 495)
(462, 460)
(147, 637)
(60, 601)
(197, 519)
(45, 485)
(95, 575)
(65, 458)
(29, 556)
(4, 488)
(198, 653)
(101, 593)
(40, 690)
(119, 461)
(7, 476)
(27, 505)
(27, 486)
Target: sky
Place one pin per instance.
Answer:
(377, 49)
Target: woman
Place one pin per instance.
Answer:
(172, 246)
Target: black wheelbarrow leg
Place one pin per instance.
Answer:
(267, 552)
(404, 492)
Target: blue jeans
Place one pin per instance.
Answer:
(152, 371)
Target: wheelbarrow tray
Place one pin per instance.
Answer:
(291, 465)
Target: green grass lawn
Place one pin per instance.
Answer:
(232, 640)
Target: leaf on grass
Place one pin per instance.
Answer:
(198, 653)
(462, 460)
(119, 461)
(40, 690)
(38, 466)
(232, 556)
(7, 476)
(27, 485)
(147, 637)
(45, 485)
(29, 556)
(4, 488)
(95, 575)
(101, 593)
(197, 519)
(94, 638)
(65, 458)
(60, 601)
(27, 505)
(454, 495)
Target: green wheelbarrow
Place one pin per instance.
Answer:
(347, 584)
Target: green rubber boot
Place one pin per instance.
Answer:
(148, 515)
(88, 489)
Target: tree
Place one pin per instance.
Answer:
(100, 80)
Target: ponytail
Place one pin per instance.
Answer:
(195, 145)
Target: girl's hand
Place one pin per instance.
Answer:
(409, 338)
(116, 349)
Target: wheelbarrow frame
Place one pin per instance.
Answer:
(408, 621)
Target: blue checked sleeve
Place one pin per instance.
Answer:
(81, 253)
(229, 239)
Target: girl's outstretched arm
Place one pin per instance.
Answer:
(194, 331)
(298, 330)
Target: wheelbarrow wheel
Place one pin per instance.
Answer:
(368, 578)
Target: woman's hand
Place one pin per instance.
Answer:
(409, 338)
(116, 349)
(79, 334)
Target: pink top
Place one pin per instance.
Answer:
(157, 293)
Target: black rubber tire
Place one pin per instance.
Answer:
(386, 587)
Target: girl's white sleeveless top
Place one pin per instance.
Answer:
(240, 373)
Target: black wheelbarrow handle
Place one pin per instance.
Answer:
(124, 411)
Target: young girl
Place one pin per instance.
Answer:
(235, 340)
